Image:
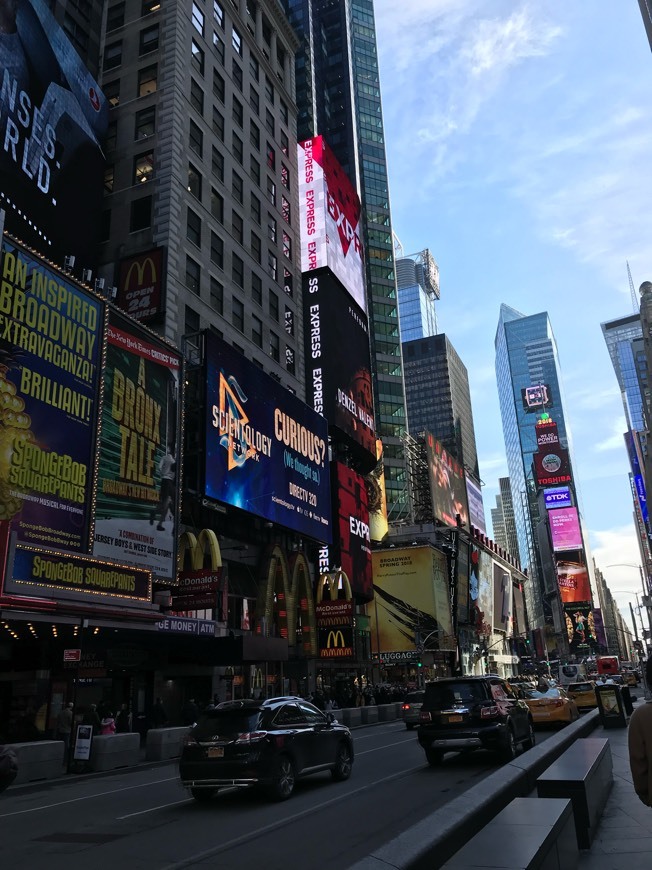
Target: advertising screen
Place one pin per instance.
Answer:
(266, 451)
(140, 284)
(377, 497)
(50, 366)
(574, 583)
(632, 443)
(338, 363)
(137, 504)
(53, 119)
(503, 601)
(557, 497)
(411, 599)
(447, 484)
(476, 505)
(565, 529)
(520, 626)
(536, 397)
(551, 466)
(329, 214)
(546, 433)
(351, 538)
(580, 627)
(463, 583)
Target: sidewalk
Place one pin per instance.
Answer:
(624, 837)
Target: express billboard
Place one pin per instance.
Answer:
(351, 536)
(329, 215)
(266, 451)
(573, 580)
(552, 466)
(50, 366)
(447, 485)
(137, 504)
(565, 529)
(140, 284)
(338, 363)
(53, 119)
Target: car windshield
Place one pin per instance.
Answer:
(442, 695)
(225, 723)
(580, 687)
(550, 693)
(414, 698)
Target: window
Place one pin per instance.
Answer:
(257, 331)
(270, 156)
(285, 210)
(218, 124)
(236, 41)
(217, 296)
(112, 56)
(143, 167)
(217, 205)
(237, 74)
(285, 144)
(196, 97)
(197, 19)
(271, 227)
(141, 214)
(217, 250)
(238, 114)
(196, 139)
(254, 101)
(217, 164)
(254, 135)
(287, 246)
(237, 148)
(218, 48)
(254, 169)
(274, 347)
(269, 121)
(149, 6)
(289, 321)
(218, 13)
(218, 86)
(284, 112)
(237, 227)
(112, 92)
(237, 187)
(115, 17)
(105, 225)
(254, 68)
(145, 123)
(148, 40)
(269, 89)
(147, 80)
(237, 270)
(197, 58)
(111, 136)
(193, 275)
(194, 181)
(271, 191)
(255, 208)
(191, 320)
(285, 176)
(273, 306)
(256, 289)
(272, 265)
(256, 248)
(193, 228)
(237, 313)
(109, 173)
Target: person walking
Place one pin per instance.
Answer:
(92, 718)
(107, 725)
(64, 728)
(159, 716)
(190, 712)
(123, 720)
(639, 740)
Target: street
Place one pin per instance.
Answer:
(143, 818)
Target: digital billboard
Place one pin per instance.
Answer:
(53, 119)
(536, 397)
(503, 600)
(557, 497)
(632, 443)
(476, 505)
(266, 451)
(551, 466)
(351, 537)
(137, 505)
(329, 215)
(481, 593)
(447, 485)
(462, 568)
(580, 627)
(50, 367)
(338, 363)
(140, 284)
(574, 583)
(377, 497)
(565, 529)
(546, 433)
(520, 625)
(412, 599)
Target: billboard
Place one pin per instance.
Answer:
(377, 497)
(633, 451)
(565, 529)
(557, 497)
(335, 629)
(329, 215)
(140, 284)
(447, 485)
(53, 119)
(520, 625)
(580, 627)
(351, 537)
(266, 451)
(50, 367)
(503, 601)
(536, 397)
(137, 484)
(551, 466)
(574, 583)
(338, 363)
(546, 433)
(412, 599)
(462, 567)
(476, 505)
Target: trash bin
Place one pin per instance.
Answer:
(611, 706)
(627, 700)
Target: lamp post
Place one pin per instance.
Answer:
(645, 598)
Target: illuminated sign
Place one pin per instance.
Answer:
(338, 643)
(536, 397)
(565, 529)
(557, 497)
(546, 434)
(140, 284)
(574, 583)
(476, 505)
(580, 626)
(352, 544)
(551, 466)
(447, 485)
(329, 215)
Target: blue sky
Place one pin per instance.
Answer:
(519, 142)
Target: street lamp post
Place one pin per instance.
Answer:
(645, 599)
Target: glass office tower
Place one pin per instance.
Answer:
(624, 340)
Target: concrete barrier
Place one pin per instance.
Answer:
(109, 751)
(436, 838)
(164, 743)
(389, 712)
(351, 716)
(369, 715)
(37, 760)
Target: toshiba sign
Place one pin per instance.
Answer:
(329, 214)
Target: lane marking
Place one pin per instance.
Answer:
(153, 809)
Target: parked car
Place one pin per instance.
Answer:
(583, 694)
(411, 707)
(268, 744)
(551, 706)
(461, 714)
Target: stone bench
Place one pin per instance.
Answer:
(40, 759)
(109, 751)
(163, 743)
(530, 833)
(584, 774)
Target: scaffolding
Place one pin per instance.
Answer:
(417, 480)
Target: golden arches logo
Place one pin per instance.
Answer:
(286, 599)
(197, 549)
(334, 581)
(139, 266)
(335, 639)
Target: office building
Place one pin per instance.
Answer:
(502, 519)
(417, 281)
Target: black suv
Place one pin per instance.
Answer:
(460, 714)
(263, 743)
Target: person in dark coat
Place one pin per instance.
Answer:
(91, 717)
(190, 712)
(123, 720)
(8, 766)
(159, 716)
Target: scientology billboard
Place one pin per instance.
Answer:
(266, 451)
(53, 119)
(50, 366)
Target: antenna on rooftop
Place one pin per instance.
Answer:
(635, 304)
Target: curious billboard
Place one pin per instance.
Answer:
(50, 368)
(447, 485)
(266, 451)
(53, 119)
(137, 505)
(329, 215)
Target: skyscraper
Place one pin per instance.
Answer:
(417, 280)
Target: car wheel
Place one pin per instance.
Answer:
(203, 795)
(343, 763)
(434, 757)
(508, 750)
(283, 779)
(531, 739)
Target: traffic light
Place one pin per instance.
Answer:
(419, 663)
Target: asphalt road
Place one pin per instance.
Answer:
(142, 818)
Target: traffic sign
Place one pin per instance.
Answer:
(420, 648)
(71, 655)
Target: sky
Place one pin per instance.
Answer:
(518, 138)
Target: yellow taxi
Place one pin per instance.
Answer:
(583, 694)
(550, 707)
(630, 678)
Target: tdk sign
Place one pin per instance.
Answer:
(557, 496)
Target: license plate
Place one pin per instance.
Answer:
(543, 713)
(215, 752)
(454, 718)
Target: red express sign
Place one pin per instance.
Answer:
(352, 546)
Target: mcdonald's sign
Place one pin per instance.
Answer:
(200, 579)
(286, 601)
(336, 643)
(140, 284)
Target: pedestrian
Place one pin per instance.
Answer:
(190, 712)
(107, 725)
(92, 718)
(159, 716)
(640, 745)
(64, 728)
(8, 766)
(123, 720)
